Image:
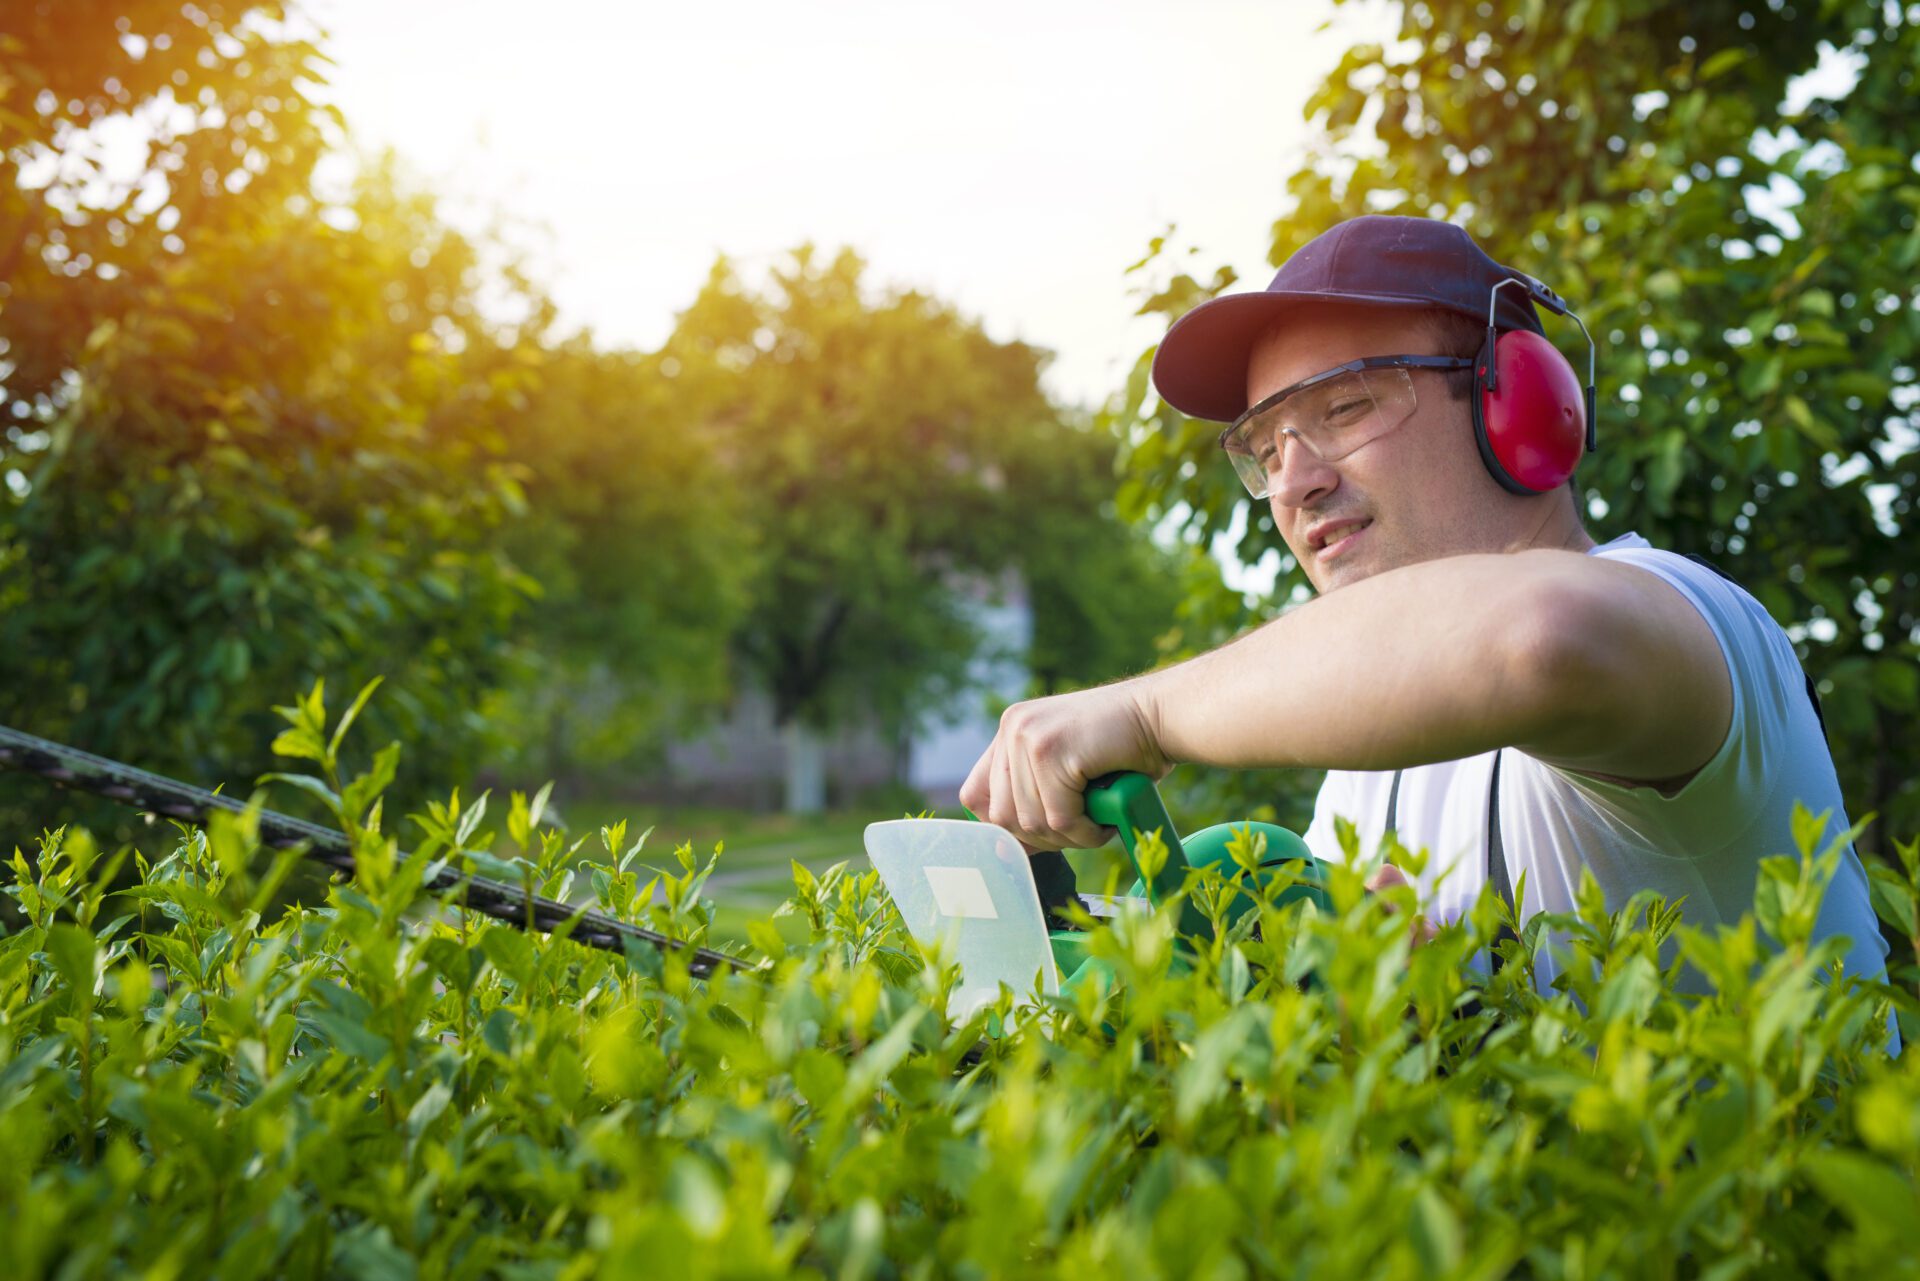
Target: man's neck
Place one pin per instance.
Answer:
(1560, 529)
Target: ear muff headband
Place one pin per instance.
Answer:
(1532, 420)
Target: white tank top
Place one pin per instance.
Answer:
(1705, 842)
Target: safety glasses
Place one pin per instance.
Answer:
(1332, 413)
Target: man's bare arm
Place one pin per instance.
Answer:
(1598, 667)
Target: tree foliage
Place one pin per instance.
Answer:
(1741, 241)
(227, 126)
(891, 459)
(638, 537)
(1106, 599)
(279, 453)
(257, 430)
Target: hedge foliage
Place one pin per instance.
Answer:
(390, 1087)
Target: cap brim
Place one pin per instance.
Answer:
(1201, 367)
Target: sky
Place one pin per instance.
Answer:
(1013, 159)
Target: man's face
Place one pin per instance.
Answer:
(1417, 493)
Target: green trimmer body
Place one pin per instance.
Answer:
(973, 887)
(1131, 804)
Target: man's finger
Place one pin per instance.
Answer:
(1386, 878)
(1028, 807)
(1068, 815)
(1001, 810)
(977, 791)
(1389, 877)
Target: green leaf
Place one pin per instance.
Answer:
(352, 714)
(350, 1036)
(427, 1109)
(76, 958)
(1437, 1236)
(312, 786)
(1720, 63)
(470, 820)
(1877, 1200)
(538, 809)
(364, 790)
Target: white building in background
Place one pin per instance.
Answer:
(746, 760)
(941, 754)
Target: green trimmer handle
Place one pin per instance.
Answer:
(1131, 803)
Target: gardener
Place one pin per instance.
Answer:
(1518, 699)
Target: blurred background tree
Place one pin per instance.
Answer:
(1727, 193)
(255, 436)
(895, 462)
(1105, 597)
(272, 467)
(641, 542)
(260, 429)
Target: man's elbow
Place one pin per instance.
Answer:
(1565, 673)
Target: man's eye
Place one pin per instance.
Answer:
(1347, 410)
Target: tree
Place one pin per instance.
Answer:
(272, 468)
(638, 537)
(256, 436)
(1105, 598)
(220, 97)
(1740, 241)
(890, 455)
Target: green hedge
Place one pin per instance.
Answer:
(389, 1087)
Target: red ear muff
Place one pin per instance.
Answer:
(1530, 414)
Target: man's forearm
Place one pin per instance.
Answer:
(1435, 661)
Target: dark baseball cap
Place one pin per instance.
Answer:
(1377, 260)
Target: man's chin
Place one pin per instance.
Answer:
(1354, 563)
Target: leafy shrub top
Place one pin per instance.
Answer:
(385, 1085)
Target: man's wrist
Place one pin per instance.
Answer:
(1145, 695)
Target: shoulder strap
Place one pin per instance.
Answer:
(1497, 875)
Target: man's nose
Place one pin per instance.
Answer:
(1303, 478)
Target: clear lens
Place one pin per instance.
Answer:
(1332, 419)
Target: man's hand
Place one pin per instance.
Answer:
(1032, 779)
(1388, 877)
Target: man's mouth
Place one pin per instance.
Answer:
(1336, 538)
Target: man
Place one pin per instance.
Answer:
(1648, 721)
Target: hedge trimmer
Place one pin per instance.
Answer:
(963, 882)
(1008, 915)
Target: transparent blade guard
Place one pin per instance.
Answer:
(969, 884)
